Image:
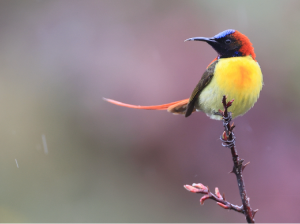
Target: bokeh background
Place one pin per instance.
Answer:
(68, 156)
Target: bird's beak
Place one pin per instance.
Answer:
(205, 39)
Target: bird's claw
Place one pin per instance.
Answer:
(228, 143)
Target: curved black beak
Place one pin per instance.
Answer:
(211, 41)
(205, 39)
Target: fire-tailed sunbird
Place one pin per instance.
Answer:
(234, 73)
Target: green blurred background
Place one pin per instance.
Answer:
(105, 163)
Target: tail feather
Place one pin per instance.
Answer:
(178, 107)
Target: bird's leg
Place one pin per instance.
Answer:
(226, 119)
(228, 138)
(228, 143)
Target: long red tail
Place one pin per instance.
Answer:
(178, 107)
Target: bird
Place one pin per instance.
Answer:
(234, 73)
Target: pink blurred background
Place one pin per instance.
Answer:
(68, 156)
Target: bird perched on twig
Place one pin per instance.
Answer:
(234, 73)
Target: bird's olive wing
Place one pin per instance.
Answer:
(204, 81)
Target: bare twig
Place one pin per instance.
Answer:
(228, 140)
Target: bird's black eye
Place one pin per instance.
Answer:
(228, 41)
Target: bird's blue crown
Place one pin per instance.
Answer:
(224, 33)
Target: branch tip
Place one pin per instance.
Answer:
(240, 161)
(222, 205)
(224, 196)
(254, 212)
(205, 197)
(244, 166)
(217, 192)
(191, 188)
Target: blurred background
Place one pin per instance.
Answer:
(68, 156)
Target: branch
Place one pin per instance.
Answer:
(228, 140)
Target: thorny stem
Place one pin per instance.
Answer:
(228, 139)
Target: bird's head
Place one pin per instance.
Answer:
(229, 43)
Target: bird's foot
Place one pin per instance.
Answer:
(227, 119)
(228, 142)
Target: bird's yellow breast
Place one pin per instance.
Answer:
(239, 78)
